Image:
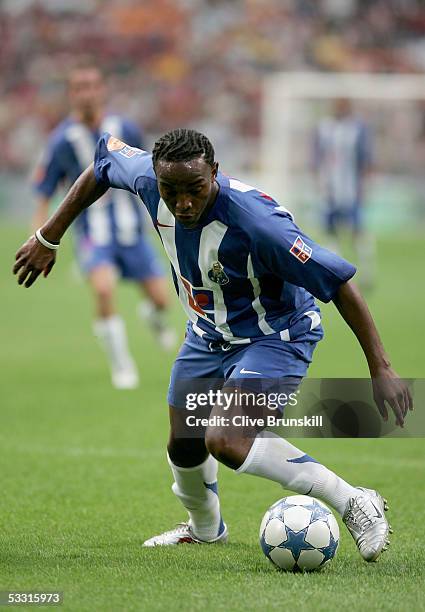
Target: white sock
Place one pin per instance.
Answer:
(113, 336)
(274, 458)
(196, 488)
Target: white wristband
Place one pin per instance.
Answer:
(46, 243)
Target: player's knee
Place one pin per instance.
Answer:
(224, 447)
(161, 302)
(216, 443)
(104, 301)
(102, 281)
(104, 293)
(160, 295)
(156, 289)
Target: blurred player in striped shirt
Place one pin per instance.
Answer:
(110, 236)
(342, 155)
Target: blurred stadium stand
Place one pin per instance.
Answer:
(189, 62)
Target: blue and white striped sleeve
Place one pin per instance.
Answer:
(118, 165)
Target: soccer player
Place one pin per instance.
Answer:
(342, 156)
(109, 237)
(246, 276)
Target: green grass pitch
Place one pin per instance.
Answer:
(85, 478)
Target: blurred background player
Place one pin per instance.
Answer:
(342, 160)
(109, 237)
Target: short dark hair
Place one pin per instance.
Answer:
(183, 145)
(85, 62)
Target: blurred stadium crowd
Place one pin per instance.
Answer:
(188, 62)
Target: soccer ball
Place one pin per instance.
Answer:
(299, 533)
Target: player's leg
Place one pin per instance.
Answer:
(98, 265)
(140, 263)
(269, 456)
(109, 327)
(155, 309)
(262, 453)
(194, 469)
(195, 474)
(102, 280)
(274, 458)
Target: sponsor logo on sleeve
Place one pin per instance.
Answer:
(114, 144)
(130, 151)
(300, 250)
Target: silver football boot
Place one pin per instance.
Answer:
(182, 534)
(365, 520)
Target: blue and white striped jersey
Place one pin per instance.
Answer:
(342, 152)
(246, 271)
(115, 218)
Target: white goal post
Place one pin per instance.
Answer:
(283, 96)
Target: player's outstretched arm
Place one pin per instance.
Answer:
(33, 257)
(387, 386)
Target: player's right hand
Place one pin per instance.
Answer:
(31, 260)
(389, 388)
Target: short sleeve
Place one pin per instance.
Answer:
(281, 248)
(116, 164)
(49, 171)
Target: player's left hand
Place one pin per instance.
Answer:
(389, 387)
(31, 260)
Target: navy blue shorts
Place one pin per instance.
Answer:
(269, 358)
(136, 262)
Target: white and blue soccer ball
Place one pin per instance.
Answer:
(299, 533)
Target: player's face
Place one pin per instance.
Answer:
(342, 107)
(187, 188)
(86, 90)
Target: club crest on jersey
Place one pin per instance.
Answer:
(300, 250)
(217, 274)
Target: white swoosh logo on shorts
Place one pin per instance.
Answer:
(243, 371)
